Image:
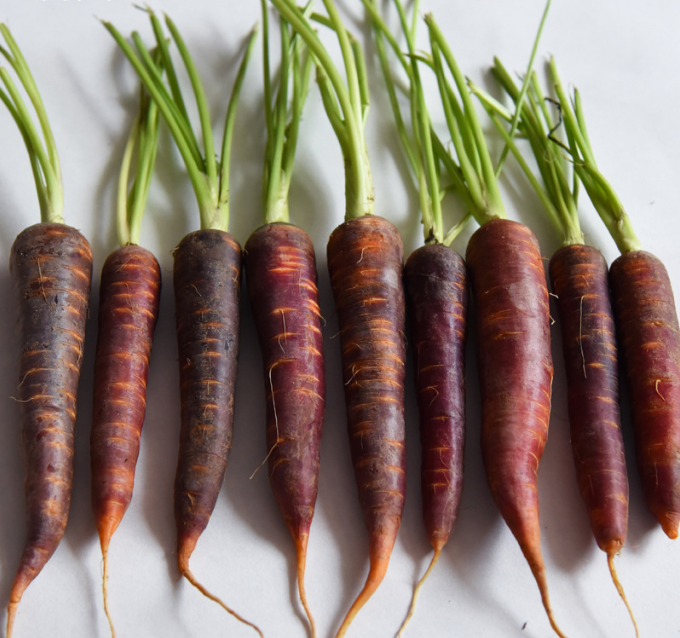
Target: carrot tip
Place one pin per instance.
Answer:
(376, 573)
(416, 591)
(105, 587)
(301, 547)
(11, 615)
(670, 528)
(619, 588)
(191, 578)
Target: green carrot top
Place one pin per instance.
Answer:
(209, 176)
(346, 102)
(42, 154)
(283, 113)
(600, 191)
(558, 194)
(144, 139)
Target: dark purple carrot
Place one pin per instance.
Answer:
(282, 286)
(51, 268)
(129, 296)
(580, 281)
(365, 261)
(647, 325)
(206, 278)
(512, 317)
(435, 283)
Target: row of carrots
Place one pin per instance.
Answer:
(51, 266)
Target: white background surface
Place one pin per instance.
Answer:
(624, 58)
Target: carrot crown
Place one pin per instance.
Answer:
(209, 177)
(282, 126)
(42, 154)
(558, 196)
(144, 139)
(346, 102)
(604, 198)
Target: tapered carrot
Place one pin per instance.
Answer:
(435, 283)
(128, 309)
(579, 277)
(365, 264)
(51, 268)
(512, 317)
(206, 278)
(280, 267)
(647, 324)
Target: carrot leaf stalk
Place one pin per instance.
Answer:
(51, 269)
(214, 252)
(346, 103)
(209, 178)
(42, 153)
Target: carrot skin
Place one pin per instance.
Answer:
(51, 268)
(579, 277)
(365, 261)
(515, 372)
(649, 338)
(435, 282)
(206, 276)
(282, 288)
(128, 310)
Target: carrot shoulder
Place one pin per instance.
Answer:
(51, 268)
(365, 263)
(649, 337)
(516, 371)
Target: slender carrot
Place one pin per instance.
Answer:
(435, 282)
(206, 278)
(512, 316)
(282, 287)
(51, 269)
(579, 277)
(647, 324)
(129, 297)
(365, 260)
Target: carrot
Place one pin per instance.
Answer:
(647, 324)
(435, 283)
(129, 297)
(206, 278)
(365, 260)
(579, 277)
(281, 273)
(51, 268)
(512, 318)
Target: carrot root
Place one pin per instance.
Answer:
(191, 578)
(538, 570)
(416, 591)
(301, 547)
(11, 615)
(376, 573)
(105, 586)
(619, 588)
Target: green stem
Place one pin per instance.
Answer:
(358, 181)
